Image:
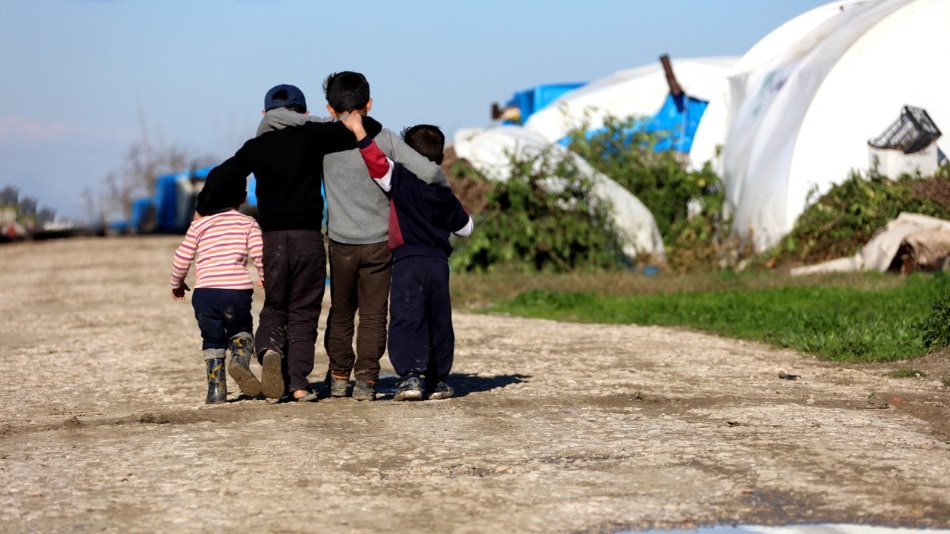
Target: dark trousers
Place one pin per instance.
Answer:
(359, 280)
(221, 314)
(295, 272)
(421, 337)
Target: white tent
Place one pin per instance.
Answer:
(711, 134)
(490, 151)
(638, 92)
(807, 98)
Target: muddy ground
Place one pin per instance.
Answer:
(557, 427)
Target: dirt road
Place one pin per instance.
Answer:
(558, 427)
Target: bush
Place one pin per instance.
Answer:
(543, 218)
(936, 328)
(687, 205)
(845, 218)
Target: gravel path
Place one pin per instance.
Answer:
(557, 427)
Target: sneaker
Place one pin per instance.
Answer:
(409, 389)
(441, 391)
(337, 385)
(364, 390)
(272, 378)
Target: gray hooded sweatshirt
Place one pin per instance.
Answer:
(357, 209)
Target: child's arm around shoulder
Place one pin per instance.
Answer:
(334, 137)
(424, 169)
(379, 166)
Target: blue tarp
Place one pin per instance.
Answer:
(531, 100)
(675, 122)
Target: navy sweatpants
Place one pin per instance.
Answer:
(421, 337)
(222, 314)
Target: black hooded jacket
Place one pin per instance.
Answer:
(288, 166)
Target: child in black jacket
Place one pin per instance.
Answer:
(288, 166)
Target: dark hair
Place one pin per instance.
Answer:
(346, 91)
(281, 96)
(427, 140)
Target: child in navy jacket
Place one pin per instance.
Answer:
(421, 218)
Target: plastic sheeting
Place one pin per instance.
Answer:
(927, 239)
(638, 92)
(805, 100)
(490, 151)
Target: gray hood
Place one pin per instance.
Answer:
(280, 118)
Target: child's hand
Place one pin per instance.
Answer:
(260, 284)
(354, 123)
(179, 292)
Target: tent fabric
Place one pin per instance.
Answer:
(679, 117)
(711, 132)
(639, 92)
(927, 239)
(531, 100)
(805, 100)
(490, 151)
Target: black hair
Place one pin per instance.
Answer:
(218, 200)
(427, 140)
(281, 96)
(346, 91)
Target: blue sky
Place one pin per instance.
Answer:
(83, 79)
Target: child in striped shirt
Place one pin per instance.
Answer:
(219, 245)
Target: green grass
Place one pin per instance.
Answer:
(907, 373)
(858, 318)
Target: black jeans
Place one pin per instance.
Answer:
(295, 273)
(359, 280)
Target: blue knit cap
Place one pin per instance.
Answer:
(291, 96)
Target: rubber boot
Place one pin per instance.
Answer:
(242, 350)
(217, 382)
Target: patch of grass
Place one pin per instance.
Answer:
(484, 290)
(907, 373)
(857, 318)
(946, 381)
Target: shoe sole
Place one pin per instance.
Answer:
(441, 396)
(272, 380)
(408, 396)
(245, 379)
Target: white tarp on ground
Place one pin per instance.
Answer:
(927, 240)
(490, 151)
(638, 92)
(815, 93)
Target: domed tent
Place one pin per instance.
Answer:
(489, 150)
(711, 133)
(641, 92)
(806, 99)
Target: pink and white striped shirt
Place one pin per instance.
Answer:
(219, 245)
